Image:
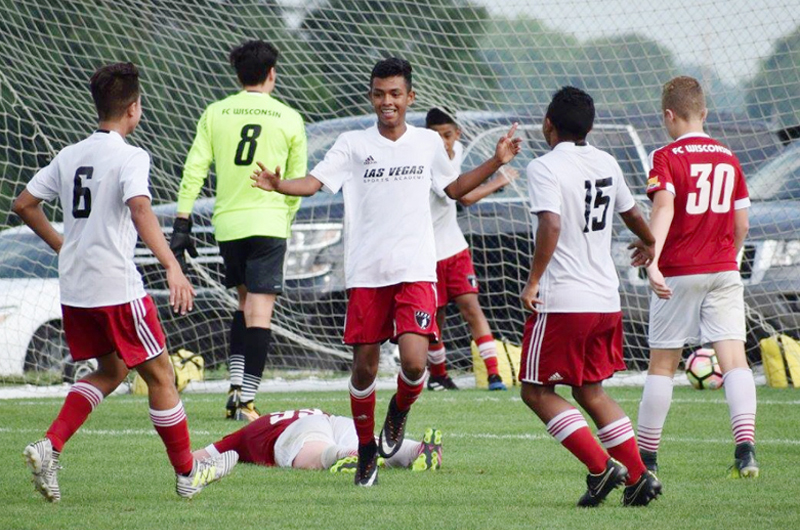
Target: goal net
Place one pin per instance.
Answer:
(492, 63)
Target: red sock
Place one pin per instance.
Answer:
(407, 391)
(488, 352)
(438, 370)
(80, 402)
(362, 406)
(571, 429)
(618, 439)
(172, 427)
(436, 359)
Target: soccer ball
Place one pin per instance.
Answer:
(702, 370)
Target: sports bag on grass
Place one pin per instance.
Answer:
(780, 355)
(188, 366)
(508, 356)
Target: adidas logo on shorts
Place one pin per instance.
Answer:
(555, 377)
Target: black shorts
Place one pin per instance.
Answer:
(255, 262)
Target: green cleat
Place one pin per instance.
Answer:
(430, 453)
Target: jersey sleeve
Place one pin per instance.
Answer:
(334, 170)
(544, 192)
(198, 162)
(45, 183)
(443, 170)
(660, 176)
(741, 197)
(624, 200)
(134, 179)
(296, 165)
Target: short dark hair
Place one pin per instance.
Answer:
(571, 112)
(440, 116)
(684, 96)
(253, 60)
(392, 67)
(114, 87)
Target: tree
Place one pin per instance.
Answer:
(774, 93)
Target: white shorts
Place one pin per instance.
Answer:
(317, 428)
(704, 308)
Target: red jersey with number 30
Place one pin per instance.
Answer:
(708, 184)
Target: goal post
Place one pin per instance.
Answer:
(489, 62)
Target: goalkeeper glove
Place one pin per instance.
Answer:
(181, 241)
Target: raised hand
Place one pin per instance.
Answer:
(266, 179)
(508, 147)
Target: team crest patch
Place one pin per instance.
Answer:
(423, 319)
(652, 183)
(473, 281)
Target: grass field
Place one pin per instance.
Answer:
(501, 470)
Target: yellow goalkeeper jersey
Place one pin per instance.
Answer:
(232, 134)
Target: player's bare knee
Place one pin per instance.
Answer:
(157, 372)
(589, 397)
(533, 395)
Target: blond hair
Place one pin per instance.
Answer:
(684, 96)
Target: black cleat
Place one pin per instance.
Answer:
(394, 429)
(643, 491)
(745, 465)
(496, 382)
(650, 460)
(599, 486)
(232, 406)
(367, 469)
(441, 382)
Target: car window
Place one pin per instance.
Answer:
(24, 255)
(779, 179)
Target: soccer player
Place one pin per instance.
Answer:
(455, 273)
(313, 439)
(251, 227)
(386, 173)
(102, 183)
(574, 336)
(699, 220)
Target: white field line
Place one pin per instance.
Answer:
(466, 436)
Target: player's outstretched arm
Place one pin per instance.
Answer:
(660, 220)
(547, 234)
(505, 175)
(507, 148)
(29, 209)
(271, 181)
(181, 293)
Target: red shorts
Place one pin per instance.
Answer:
(571, 348)
(375, 314)
(455, 276)
(132, 330)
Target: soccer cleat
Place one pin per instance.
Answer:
(247, 412)
(430, 454)
(642, 491)
(232, 406)
(441, 382)
(599, 486)
(42, 460)
(366, 473)
(205, 472)
(650, 460)
(348, 464)
(745, 465)
(394, 429)
(496, 382)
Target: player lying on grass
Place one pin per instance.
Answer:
(103, 185)
(574, 336)
(386, 173)
(313, 439)
(455, 274)
(699, 220)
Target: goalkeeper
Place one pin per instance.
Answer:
(251, 226)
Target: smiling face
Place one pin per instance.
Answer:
(390, 98)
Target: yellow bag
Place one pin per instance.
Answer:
(188, 366)
(508, 356)
(780, 355)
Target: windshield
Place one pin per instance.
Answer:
(24, 255)
(779, 179)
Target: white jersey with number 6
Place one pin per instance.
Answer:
(584, 186)
(94, 179)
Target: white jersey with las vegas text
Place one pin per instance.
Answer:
(386, 186)
(585, 187)
(449, 238)
(94, 179)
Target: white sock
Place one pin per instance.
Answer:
(405, 456)
(653, 410)
(333, 453)
(740, 393)
(437, 356)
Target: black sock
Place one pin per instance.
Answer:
(236, 352)
(256, 344)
